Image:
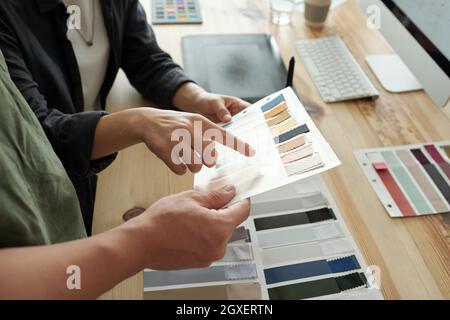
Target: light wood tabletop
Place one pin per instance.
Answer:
(413, 253)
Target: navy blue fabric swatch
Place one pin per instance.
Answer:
(310, 269)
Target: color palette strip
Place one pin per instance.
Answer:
(406, 182)
(273, 103)
(202, 275)
(238, 253)
(294, 219)
(316, 288)
(416, 178)
(276, 110)
(428, 188)
(295, 235)
(286, 125)
(433, 173)
(305, 251)
(297, 154)
(437, 157)
(310, 269)
(292, 144)
(240, 234)
(305, 164)
(289, 136)
(234, 291)
(293, 204)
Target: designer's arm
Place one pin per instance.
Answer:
(165, 237)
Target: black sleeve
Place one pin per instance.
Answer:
(150, 70)
(71, 135)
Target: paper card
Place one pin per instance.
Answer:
(267, 170)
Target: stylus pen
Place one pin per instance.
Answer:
(290, 76)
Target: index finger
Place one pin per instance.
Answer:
(231, 141)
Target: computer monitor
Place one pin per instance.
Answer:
(419, 32)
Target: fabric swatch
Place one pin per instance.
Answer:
(200, 275)
(294, 236)
(278, 119)
(235, 291)
(407, 184)
(294, 219)
(422, 180)
(394, 190)
(284, 126)
(301, 203)
(433, 173)
(310, 269)
(297, 154)
(303, 165)
(437, 157)
(291, 134)
(305, 251)
(241, 233)
(318, 288)
(273, 103)
(276, 110)
(238, 253)
(292, 144)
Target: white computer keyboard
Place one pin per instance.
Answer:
(334, 71)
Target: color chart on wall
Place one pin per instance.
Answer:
(295, 245)
(288, 145)
(410, 180)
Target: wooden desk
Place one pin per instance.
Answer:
(413, 254)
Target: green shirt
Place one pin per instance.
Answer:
(38, 203)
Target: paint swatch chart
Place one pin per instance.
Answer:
(410, 180)
(288, 145)
(294, 246)
(176, 12)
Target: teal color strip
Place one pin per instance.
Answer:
(418, 201)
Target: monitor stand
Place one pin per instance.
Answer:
(392, 73)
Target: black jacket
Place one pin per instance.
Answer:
(43, 66)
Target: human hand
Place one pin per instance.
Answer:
(217, 108)
(162, 130)
(190, 229)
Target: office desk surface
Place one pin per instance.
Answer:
(413, 253)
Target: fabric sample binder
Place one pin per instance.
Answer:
(247, 66)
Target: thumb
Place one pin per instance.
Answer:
(237, 213)
(217, 199)
(222, 112)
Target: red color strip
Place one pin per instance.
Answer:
(395, 191)
(434, 153)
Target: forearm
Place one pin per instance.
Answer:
(41, 272)
(116, 132)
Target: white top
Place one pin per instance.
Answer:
(92, 60)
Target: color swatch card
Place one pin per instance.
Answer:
(295, 245)
(288, 145)
(410, 180)
(306, 250)
(176, 12)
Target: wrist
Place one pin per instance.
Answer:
(188, 97)
(139, 122)
(131, 241)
